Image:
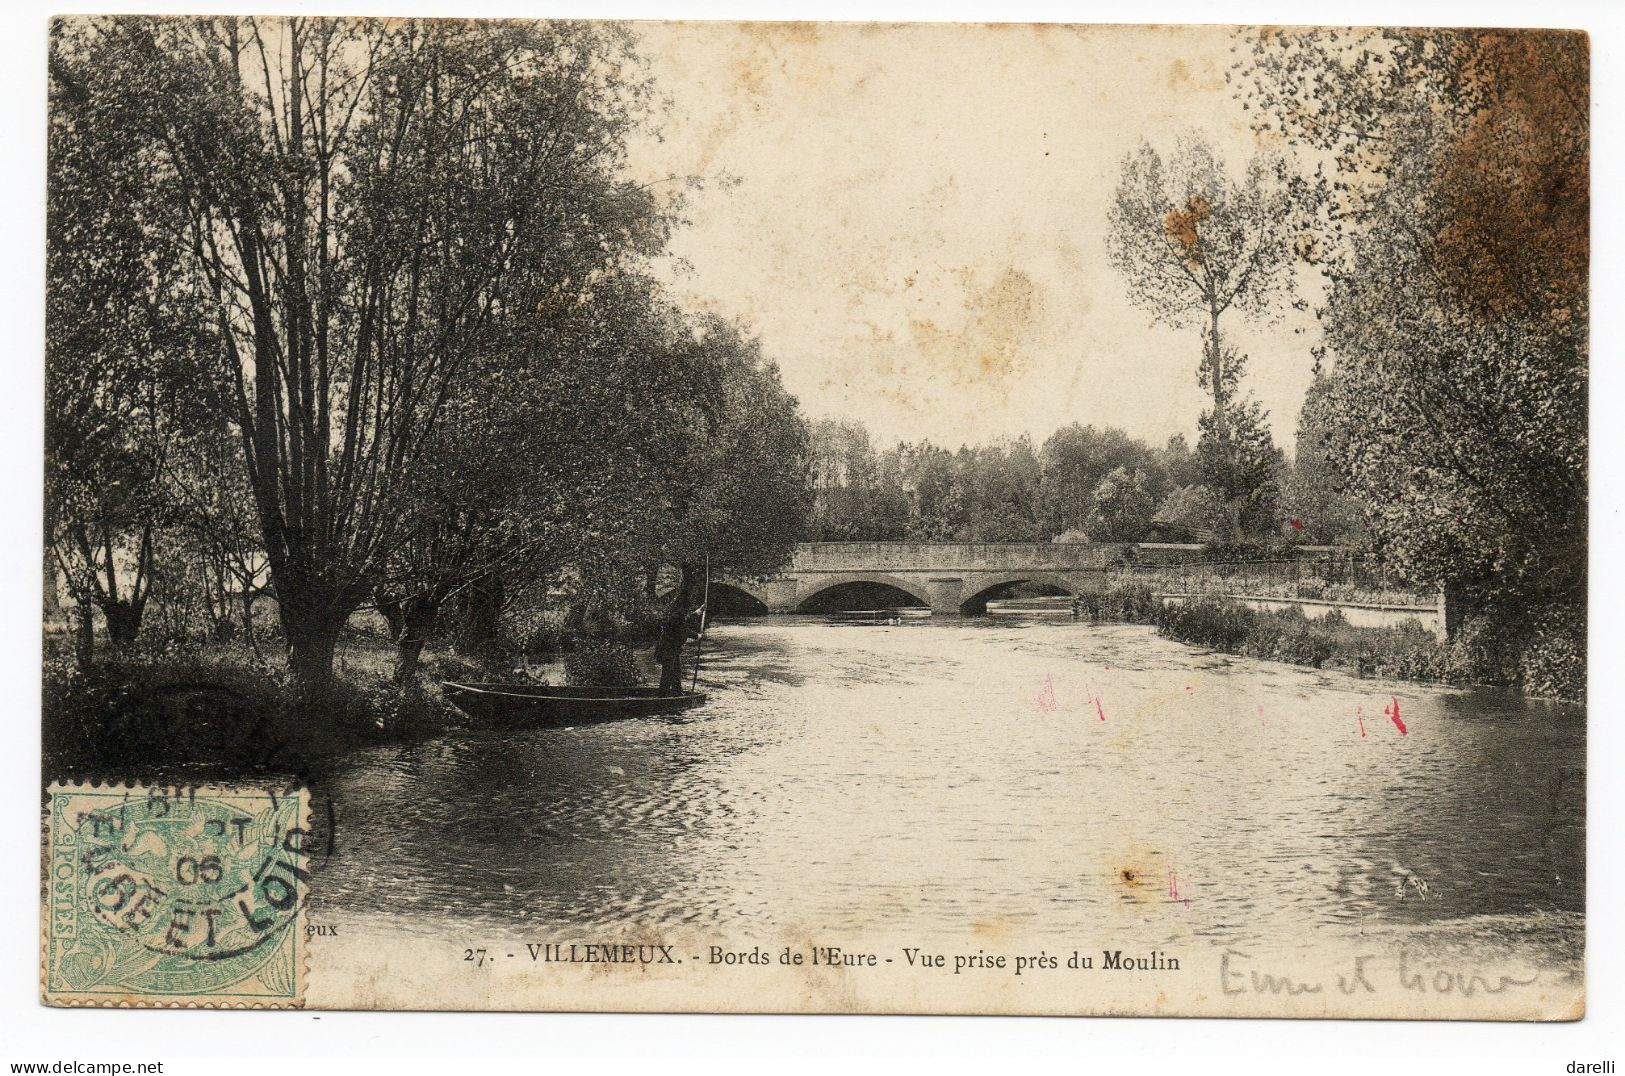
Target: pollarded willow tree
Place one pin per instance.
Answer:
(1192, 244)
(544, 465)
(356, 199)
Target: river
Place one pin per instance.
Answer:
(1030, 773)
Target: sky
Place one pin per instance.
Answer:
(913, 218)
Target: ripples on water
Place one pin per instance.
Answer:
(922, 776)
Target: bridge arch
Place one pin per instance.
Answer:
(824, 584)
(975, 603)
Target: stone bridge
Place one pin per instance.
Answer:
(952, 578)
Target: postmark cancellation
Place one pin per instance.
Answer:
(189, 896)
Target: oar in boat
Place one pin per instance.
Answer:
(705, 613)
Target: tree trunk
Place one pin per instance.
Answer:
(310, 654)
(417, 622)
(84, 633)
(311, 624)
(479, 631)
(407, 653)
(390, 609)
(1218, 373)
(1221, 427)
(53, 597)
(248, 620)
(123, 620)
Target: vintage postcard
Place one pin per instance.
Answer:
(816, 517)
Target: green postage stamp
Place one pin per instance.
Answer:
(180, 896)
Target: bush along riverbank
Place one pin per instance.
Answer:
(1542, 656)
(187, 712)
(197, 713)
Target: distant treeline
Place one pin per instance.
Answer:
(1083, 484)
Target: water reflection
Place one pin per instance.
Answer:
(939, 775)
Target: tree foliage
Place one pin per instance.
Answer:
(1191, 244)
(1457, 313)
(1123, 506)
(1001, 491)
(396, 274)
(1315, 501)
(1192, 513)
(128, 349)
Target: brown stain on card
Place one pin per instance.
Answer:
(994, 931)
(990, 345)
(1136, 871)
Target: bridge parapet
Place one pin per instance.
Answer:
(958, 556)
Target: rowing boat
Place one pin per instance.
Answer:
(546, 706)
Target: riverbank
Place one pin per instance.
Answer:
(222, 711)
(1540, 660)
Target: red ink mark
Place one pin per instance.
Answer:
(1187, 687)
(1260, 716)
(1046, 698)
(1358, 716)
(1297, 524)
(1173, 890)
(1098, 709)
(1392, 710)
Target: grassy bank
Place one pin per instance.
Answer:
(200, 712)
(1406, 652)
(1539, 655)
(193, 711)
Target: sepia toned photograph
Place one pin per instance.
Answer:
(823, 517)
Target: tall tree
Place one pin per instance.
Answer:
(937, 496)
(1123, 507)
(1001, 483)
(357, 196)
(128, 342)
(857, 491)
(1192, 244)
(1076, 459)
(1315, 495)
(543, 462)
(220, 529)
(1235, 451)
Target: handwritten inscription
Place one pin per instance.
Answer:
(1369, 974)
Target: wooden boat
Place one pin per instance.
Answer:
(546, 706)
